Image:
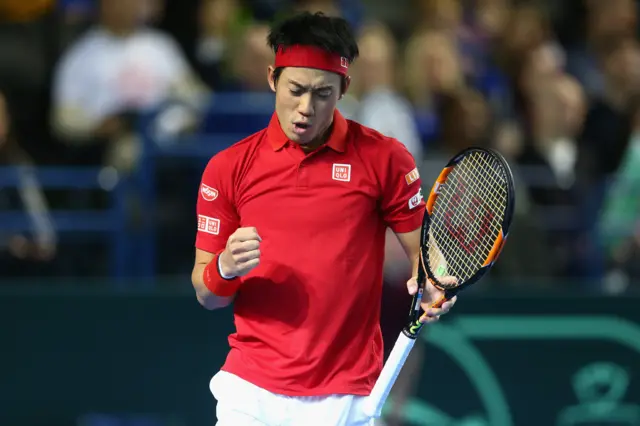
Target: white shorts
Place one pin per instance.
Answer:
(241, 403)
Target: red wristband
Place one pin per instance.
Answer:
(216, 284)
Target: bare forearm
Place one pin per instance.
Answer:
(410, 242)
(207, 299)
(415, 264)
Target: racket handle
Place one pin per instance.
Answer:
(375, 401)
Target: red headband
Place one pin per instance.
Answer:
(311, 57)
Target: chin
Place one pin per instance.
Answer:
(299, 140)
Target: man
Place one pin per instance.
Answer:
(291, 228)
(114, 72)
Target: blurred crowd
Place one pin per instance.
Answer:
(553, 85)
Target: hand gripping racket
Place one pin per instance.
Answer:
(465, 227)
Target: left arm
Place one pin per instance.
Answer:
(403, 209)
(410, 242)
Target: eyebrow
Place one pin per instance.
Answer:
(302, 86)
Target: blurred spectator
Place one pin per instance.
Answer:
(40, 243)
(432, 69)
(482, 29)
(110, 75)
(619, 225)
(603, 20)
(328, 7)
(465, 121)
(379, 104)
(441, 15)
(250, 57)
(29, 45)
(607, 129)
(219, 21)
(547, 159)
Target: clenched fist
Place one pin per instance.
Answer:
(242, 253)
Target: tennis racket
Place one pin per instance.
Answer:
(465, 227)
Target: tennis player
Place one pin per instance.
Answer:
(291, 229)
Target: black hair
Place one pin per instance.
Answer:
(330, 33)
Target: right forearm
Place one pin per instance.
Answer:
(206, 298)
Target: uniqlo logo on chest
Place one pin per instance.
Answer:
(342, 172)
(207, 224)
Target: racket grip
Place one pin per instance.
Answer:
(440, 302)
(375, 401)
(436, 305)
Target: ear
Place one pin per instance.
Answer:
(270, 78)
(347, 83)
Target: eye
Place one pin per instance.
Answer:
(324, 94)
(296, 92)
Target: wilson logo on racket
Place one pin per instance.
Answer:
(469, 237)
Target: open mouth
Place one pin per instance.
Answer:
(301, 126)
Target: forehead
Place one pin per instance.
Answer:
(310, 77)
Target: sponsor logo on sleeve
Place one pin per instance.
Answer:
(412, 176)
(342, 172)
(207, 224)
(208, 193)
(415, 200)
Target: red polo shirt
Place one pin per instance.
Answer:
(307, 318)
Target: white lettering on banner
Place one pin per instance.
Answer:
(415, 200)
(342, 172)
(207, 224)
(208, 193)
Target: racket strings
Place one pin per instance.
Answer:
(467, 216)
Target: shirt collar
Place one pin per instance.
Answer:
(337, 140)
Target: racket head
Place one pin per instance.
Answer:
(468, 214)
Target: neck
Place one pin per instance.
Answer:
(616, 96)
(119, 31)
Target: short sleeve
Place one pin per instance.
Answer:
(217, 216)
(402, 200)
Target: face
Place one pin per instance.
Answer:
(573, 105)
(216, 15)
(622, 65)
(305, 101)
(253, 58)
(375, 67)
(122, 15)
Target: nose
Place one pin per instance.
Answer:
(305, 107)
